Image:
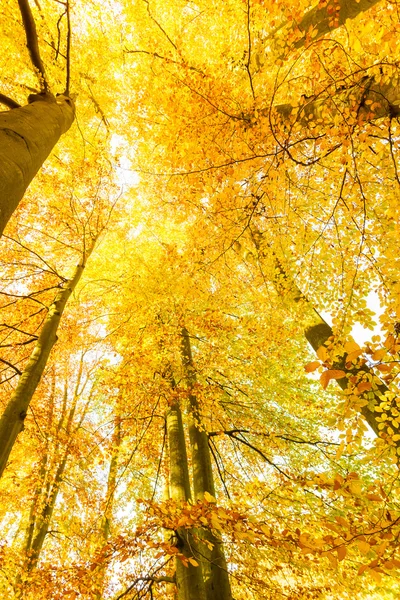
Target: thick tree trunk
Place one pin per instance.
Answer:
(27, 136)
(215, 572)
(189, 580)
(12, 420)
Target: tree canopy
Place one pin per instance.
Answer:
(200, 299)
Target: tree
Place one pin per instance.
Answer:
(216, 461)
(29, 133)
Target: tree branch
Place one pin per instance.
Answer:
(68, 57)
(149, 579)
(11, 365)
(32, 42)
(8, 101)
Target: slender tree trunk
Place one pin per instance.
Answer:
(50, 479)
(110, 497)
(317, 333)
(12, 420)
(214, 566)
(189, 580)
(27, 136)
(364, 101)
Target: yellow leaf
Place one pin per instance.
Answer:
(375, 575)
(351, 346)
(355, 487)
(215, 524)
(193, 562)
(363, 547)
(208, 498)
(322, 353)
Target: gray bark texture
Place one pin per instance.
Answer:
(189, 580)
(27, 136)
(215, 573)
(12, 420)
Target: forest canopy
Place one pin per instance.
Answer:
(199, 299)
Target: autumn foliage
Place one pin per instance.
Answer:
(199, 300)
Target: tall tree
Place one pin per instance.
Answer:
(12, 420)
(214, 563)
(229, 118)
(29, 133)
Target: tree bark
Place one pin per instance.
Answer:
(50, 478)
(331, 16)
(365, 101)
(214, 566)
(317, 333)
(27, 136)
(109, 503)
(12, 420)
(189, 580)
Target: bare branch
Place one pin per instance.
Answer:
(32, 42)
(69, 35)
(8, 101)
(11, 365)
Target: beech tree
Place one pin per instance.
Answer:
(29, 133)
(253, 148)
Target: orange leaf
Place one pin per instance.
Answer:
(330, 374)
(385, 368)
(341, 552)
(353, 355)
(389, 341)
(362, 569)
(311, 366)
(351, 346)
(364, 386)
(379, 354)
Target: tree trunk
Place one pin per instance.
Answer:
(12, 420)
(364, 101)
(317, 332)
(215, 572)
(189, 580)
(48, 487)
(328, 17)
(27, 136)
(110, 496)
